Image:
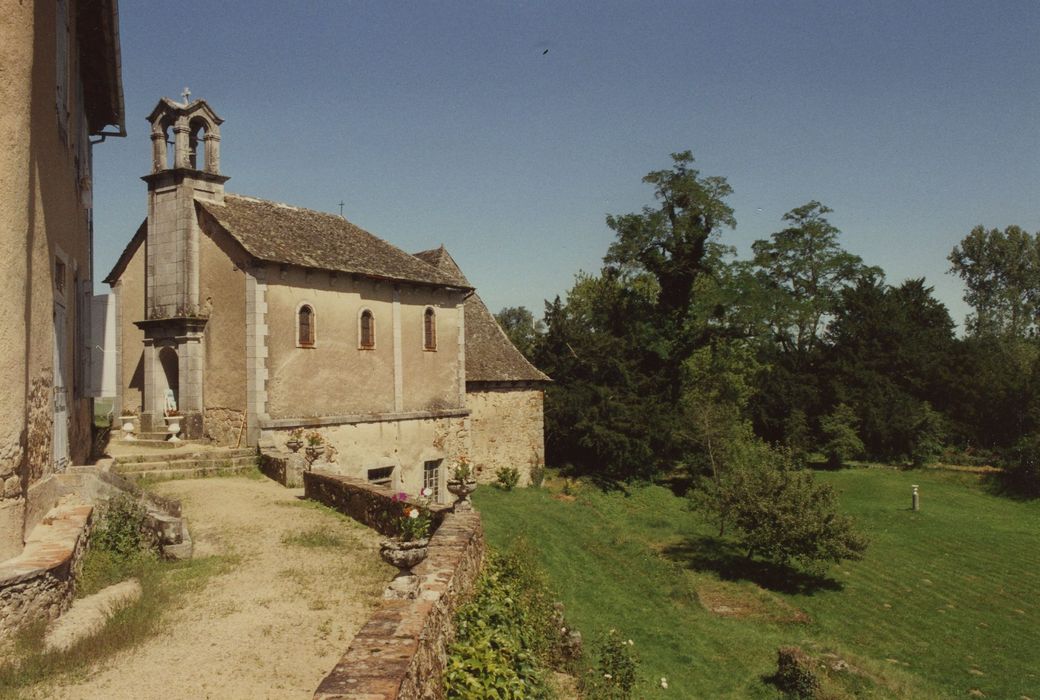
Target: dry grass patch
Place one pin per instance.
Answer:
(747, 602)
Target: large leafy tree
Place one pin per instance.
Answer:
(806, 269)
(1001, 271)
(521, 327)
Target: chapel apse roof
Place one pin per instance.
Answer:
(490, 355)
(281, 233)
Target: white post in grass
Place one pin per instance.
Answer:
(916, 498)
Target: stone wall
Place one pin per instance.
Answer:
(401, 651)
(506, 428)
(225, 426)
(40, 582)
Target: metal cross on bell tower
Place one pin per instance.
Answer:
(186, 95)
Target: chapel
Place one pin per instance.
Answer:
(252, 319)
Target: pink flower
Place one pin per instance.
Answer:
(400, 496)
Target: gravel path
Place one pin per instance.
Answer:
(271, 627)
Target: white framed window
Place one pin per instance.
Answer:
(306, 326)
(432, 478)
(366, 330)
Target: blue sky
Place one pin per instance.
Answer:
(446, 122)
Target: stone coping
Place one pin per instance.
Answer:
(314, 422)
(50, 546)
(401, 651)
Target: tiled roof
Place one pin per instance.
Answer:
(280, 233)
(490, 355)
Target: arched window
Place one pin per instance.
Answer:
(305, 327)
(429, 329)
(367, 334)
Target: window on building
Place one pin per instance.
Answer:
(368, 330)
(429, 330)
(59, 277)
(381, 476)
(432, 478)
(305, 326)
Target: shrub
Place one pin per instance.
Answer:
(122, 529)
(506, 636)
(615, 674)
(926, 442)
(842, 441)
(507, 478)
(794, 674)
(1022, 469)
(537, 475)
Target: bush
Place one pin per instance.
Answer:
(842, 440)
(506, 637)
(615, 674)
(794, 674)
(122, 529)
(1022, 468)
(926, 442)
(507, 478)
(537, 475)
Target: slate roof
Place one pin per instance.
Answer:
(281, 233)
(490, 355)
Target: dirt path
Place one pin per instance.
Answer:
(272, 626)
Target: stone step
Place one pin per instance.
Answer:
(212, 453)
(197, 473)
(164, 444)
(200, 462)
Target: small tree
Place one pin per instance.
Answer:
(842, 441)
(1022, 471)
(783, 515)
(926, 443)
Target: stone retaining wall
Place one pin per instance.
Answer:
(40, 582)
(401, 651)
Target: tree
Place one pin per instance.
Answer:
(521, 327)
(783, 515)
(806, 269)
(839, 430)
(1001, 270)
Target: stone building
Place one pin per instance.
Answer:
(60, 85)
(256, 318)
(504, 392)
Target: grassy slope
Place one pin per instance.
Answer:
(960, 580)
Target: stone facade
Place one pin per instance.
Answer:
(60, 86)
(507, 428)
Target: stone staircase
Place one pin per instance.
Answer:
(139, 460)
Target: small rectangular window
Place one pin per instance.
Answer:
(432, 478)
(383, 476)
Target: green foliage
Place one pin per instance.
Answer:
(839, 430)
(507, 478)
(927, 439)
(614, 676)
(505, 637)
(315, 537)
(121, 529)
(1001, 270)
(794, 674)
(784, 516)
(521, 328)
(1022, 470)
(537, 475)
(806, 269)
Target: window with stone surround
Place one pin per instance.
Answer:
(382, 476)
(429, 329)
(366, 330)
(305, 326)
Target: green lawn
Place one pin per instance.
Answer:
(946, 602)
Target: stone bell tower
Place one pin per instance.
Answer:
(174, 321)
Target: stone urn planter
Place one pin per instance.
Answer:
(128, 427)
(294, 444)
(403, 555)
(461, 490)
(173, 427)
(314, 452)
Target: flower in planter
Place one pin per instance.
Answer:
(463, 470)
(414, 521)
(314, 439)
(296, 434)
